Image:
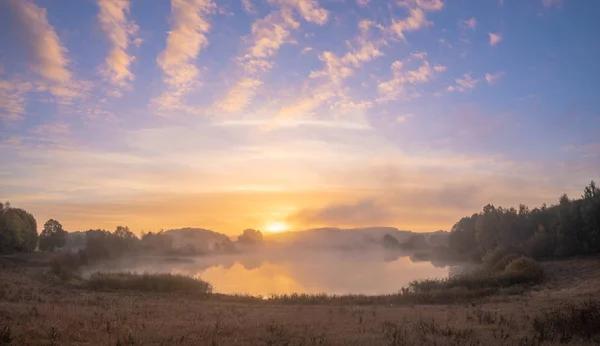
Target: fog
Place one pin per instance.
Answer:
(284, 270)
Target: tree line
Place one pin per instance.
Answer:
(18, 233)
(571, 227)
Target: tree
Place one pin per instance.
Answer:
(53, 236)
(97, 244)
(251, 237)
(463, 237)
(18, 230)
(487, 227)
(390, 242)
(123, 239)
(158, 242)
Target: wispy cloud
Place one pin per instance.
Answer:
(268, 35)
(491, 78)
(47, 55)
(119, 31)
(416, 19)
(470, 23)
(464, 84)
(330, 79)
(552, 3)
(310, 10)
(13, 99)
(248, 6)
(405, 78)
(495, 38)
(184, 42)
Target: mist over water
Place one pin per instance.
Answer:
(284, 271)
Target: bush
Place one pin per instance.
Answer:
(149, 282)
(502, 263)
(522, 270)
(492, 257)
(66, 266)
(524, 267)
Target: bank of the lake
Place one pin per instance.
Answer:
(38, 308)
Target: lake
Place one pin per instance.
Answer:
(335, 272)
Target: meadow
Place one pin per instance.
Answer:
(37, 307)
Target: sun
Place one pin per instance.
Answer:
(276, 227)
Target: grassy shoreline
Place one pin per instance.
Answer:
(36, 307)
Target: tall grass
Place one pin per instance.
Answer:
(519, 271)
(160, 282)
(569, 321)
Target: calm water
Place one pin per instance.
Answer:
(302, 272)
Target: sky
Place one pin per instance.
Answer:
(233, 114)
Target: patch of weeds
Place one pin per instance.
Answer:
(160, 282)
(395, 334)
(569, 321)
(6, 334)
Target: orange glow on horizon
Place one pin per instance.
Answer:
(276, 227)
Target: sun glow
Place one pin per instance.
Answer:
(276, 227)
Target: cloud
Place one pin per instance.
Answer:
(416, 19)
(364, 212)
(248, 6)
(427, 5)
(13, 99)
(119, 31)
(51, 129)
(306, 50)
(404, 117)
(268, 35)
(363, 3)
(470, 23)
(184, 42)
(308, 9)
(552, 3)
(492, 78)
(414, 22)
(464, 84)
(495, 38)
(335, 71)
(405, 78)
(46, 54)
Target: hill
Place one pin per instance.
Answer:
(197, 238)
(337, 237)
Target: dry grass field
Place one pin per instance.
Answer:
(37, 308)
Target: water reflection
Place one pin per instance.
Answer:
(302, 272)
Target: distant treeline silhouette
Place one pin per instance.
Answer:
(571, 227)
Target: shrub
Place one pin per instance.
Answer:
(502, 263)
(160, 282)
(492, 257)
(522, 270)
(66, 266)
(524, 267)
